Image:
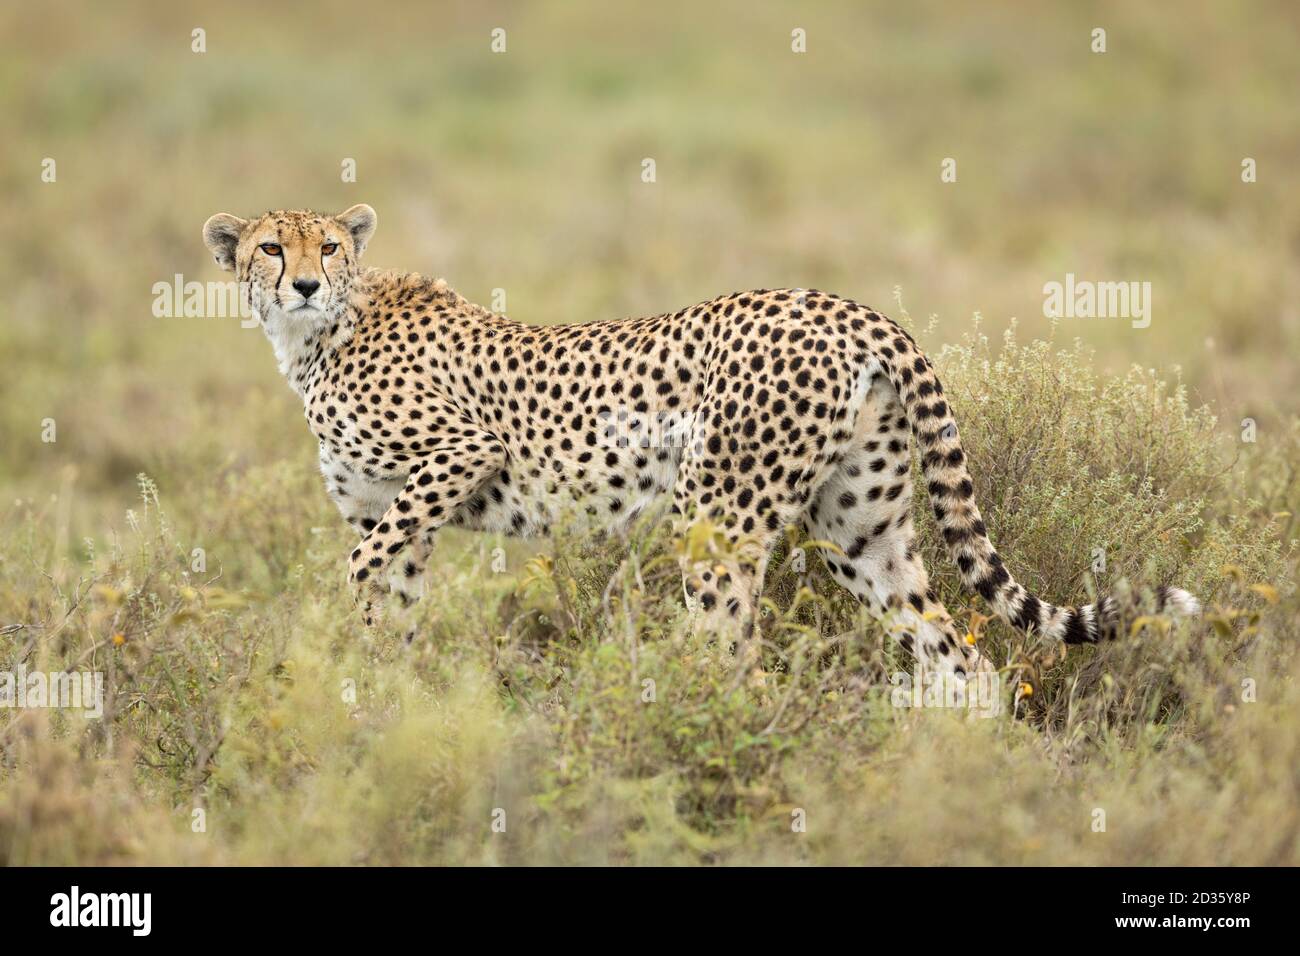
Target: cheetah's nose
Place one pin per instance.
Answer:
(306, 287)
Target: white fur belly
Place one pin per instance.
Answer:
(360, 498)
(606, 494)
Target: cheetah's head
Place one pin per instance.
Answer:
(298, 265)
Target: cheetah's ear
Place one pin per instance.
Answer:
(221, 235)
(360, 220)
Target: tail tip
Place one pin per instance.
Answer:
(1181, 603)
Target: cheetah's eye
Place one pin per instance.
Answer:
(271, 248)
(329, 248)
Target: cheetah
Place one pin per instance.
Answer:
(782, 407)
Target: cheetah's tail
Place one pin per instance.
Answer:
(952, 496)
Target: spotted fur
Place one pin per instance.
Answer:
(755, 410)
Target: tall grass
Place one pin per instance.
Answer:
(554, 707)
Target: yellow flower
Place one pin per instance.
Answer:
(1026, 690)
(970, 638)
(119, 639)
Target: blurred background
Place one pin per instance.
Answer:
(522, 171)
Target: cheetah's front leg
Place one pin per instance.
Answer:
(446, 476)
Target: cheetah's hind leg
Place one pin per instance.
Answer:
(865, 509)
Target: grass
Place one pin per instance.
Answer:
(555, 683)
(174, 536)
